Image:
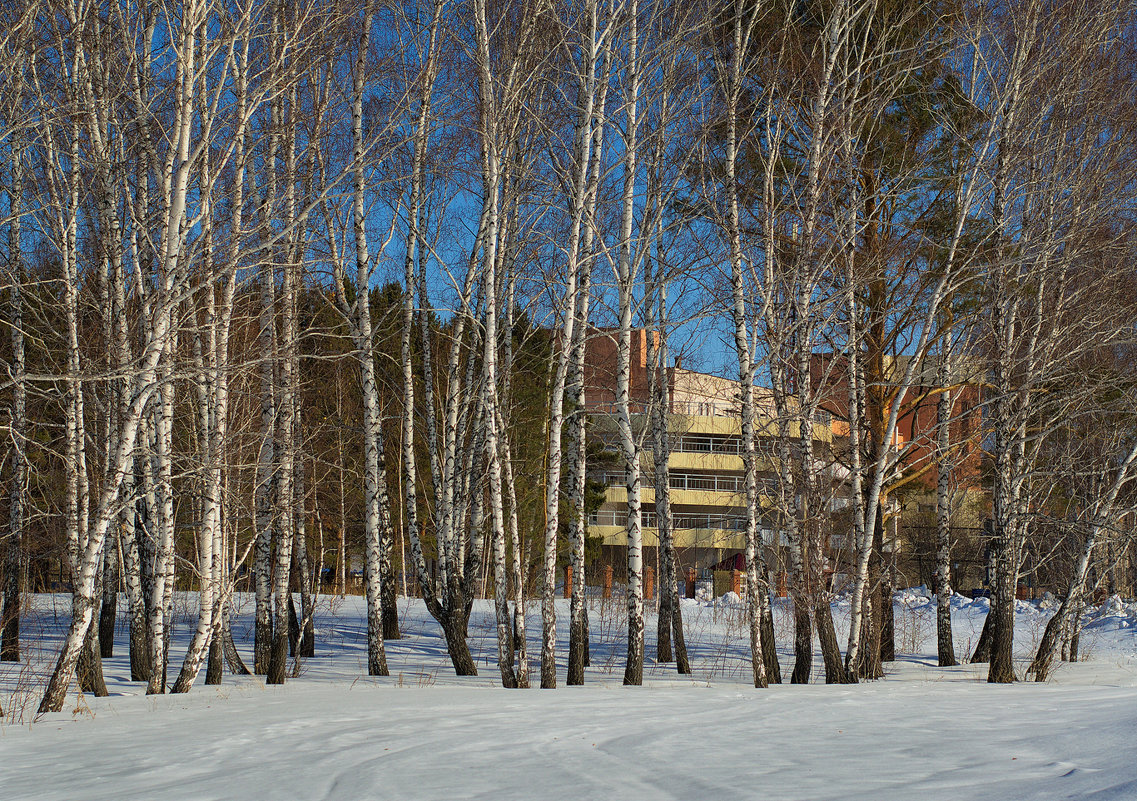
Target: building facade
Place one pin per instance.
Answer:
(706, 477)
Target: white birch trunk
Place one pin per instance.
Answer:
(1104, 513)
(415, 251)
(265, 487)
(594, 44)
(145, 379)
(739, 316)
(579, 647)
(491, 192)
(372, 434)
(945, 647)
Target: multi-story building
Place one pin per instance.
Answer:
(916, 429)
(706, 478)
(911, 489)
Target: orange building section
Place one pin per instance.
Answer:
(916, 428)
(602, 350)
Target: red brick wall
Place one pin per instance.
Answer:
(601, 354)
(917, 426)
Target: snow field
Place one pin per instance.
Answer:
(923, 732)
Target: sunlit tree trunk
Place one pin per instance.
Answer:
(732, 89)
(625, 280)
(579, 651)
(945, 647)
(1065, 617)
(171, 242)
(594, 42)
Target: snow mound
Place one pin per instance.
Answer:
(913, 597)
(1114, 613)
(731, 599)
(959, 601)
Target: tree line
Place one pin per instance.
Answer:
(219, 213)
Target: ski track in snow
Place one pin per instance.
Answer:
(333, 733)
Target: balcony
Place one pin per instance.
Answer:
(692, 489)
(688, 530)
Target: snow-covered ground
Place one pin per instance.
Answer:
(923, 732)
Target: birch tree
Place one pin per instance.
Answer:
(358, 315)
(585, 39)
(12, 79)
(741, 27)
(169, 286)
(1045, 211)
(414, 255)
(219, 290)
(1102, 512)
